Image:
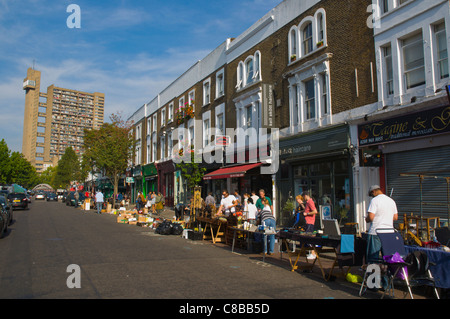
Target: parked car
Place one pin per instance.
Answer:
(18, 200)
(4, 202)
(40, 196)
(28, 198)
(52, 197)
(3, 221)
(70, 199)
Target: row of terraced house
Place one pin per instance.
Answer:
(325, 96)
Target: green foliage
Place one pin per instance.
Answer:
(109, 149)
(68, 169)
(15, 168)
(21, 171)
(191, 172)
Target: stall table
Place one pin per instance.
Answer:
(310, 243)
(215, 226)
(247, 231)
(441, 259)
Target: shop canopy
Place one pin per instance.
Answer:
(234, 171)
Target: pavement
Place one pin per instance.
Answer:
(281, 260)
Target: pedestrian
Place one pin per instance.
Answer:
(259, 204)
(152, 202)
(99, 201)
(139, 201)
(76, 196)
(209, 200)
(245, 203)
(310, 212)
(227, 204)
(299, 217)
(254, 197)
(269, 222)
(382, 213)
(238, 199)
(310, 218)
(251, 211)
(159, 203)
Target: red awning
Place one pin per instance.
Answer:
(235, 171)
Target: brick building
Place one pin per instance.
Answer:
(305, 66)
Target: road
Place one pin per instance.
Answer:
(118, 261)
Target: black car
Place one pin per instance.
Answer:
(8, 207)
(52, 196)
(70, 199)
(3, 221)
(18, 200)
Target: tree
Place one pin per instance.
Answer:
(48, 176)
(68, 169)
(4, 161)
(109, 149)
(21, 171)
(191, 171)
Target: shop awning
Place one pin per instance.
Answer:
(227, 172)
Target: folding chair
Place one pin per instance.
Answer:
(413, 271)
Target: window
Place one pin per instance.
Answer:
(310, 104)
(293, 47)
(320, 29)
(191, 136)
(384, 6)
(138, 132)
(413, 61)
(181, 102)
(307, 39)
(441, 50)
(149, 125)
(149, 158)
(163, 147)
(169, 145)
(206, 92)
(191, 99)
(163, 117)
(249, 71)
(240, 76)
(220, 129)
(220, 84)
(324, 100)
(154, 123)
(170, 115)
(206, 133)
(387, 56)
(295, 105)
(154, 143)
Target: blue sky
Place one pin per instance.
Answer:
(129, 50)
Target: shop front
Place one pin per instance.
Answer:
(166, 181)
(150, 178)
(136, 187)
(320, 163)
(244, 178)
(411, 151)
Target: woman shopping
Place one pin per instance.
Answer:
(268, 220)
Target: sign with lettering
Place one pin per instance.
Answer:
(420, 124)
(268, 115)
(317, 142)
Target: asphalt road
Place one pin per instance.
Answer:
(119, 261)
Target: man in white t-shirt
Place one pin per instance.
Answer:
(228, 203)
(382, 213)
